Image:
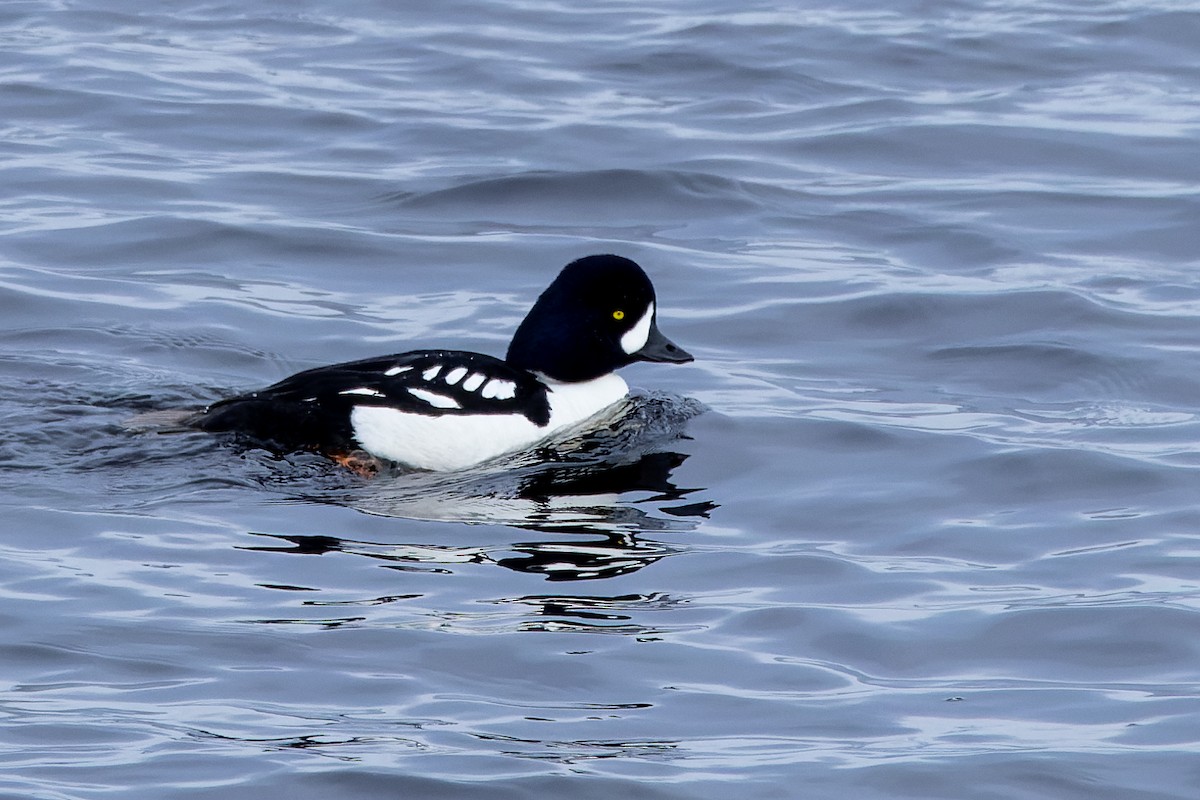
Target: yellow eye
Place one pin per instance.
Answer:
(618, 314)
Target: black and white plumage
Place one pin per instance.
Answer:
(451, 409)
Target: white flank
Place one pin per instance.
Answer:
(474, 382)
(434, 399)
(397, 370)
(455, 375)
(636, 337)
(458, 441)
(499, 389)
(363, 390)
(431, 373)
(440, 443)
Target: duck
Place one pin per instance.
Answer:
(447, 410)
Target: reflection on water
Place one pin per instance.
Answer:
(577, 495)
(617, 554)
(594, 614)
(604, 493)
(598, 504)
(604, 556)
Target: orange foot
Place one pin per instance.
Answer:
(359, 462)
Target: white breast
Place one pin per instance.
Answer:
(571, 403)
(456, 441)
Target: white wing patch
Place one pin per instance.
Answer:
(499, 389)
(474, 382)
(455, 375)
(434, 399)
(397, 370)
(432, 372)
(636, 337)
(363, 390)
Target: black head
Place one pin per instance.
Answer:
(597, 315)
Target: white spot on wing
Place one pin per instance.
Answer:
(397, 370)
(434, 399)
(474, 382)
(432, 372)
(499, 389)
(363, 390)
(636, 337)
(455, 375)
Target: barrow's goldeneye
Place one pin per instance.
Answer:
(451, 409)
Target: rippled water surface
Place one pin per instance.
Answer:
(919, 522)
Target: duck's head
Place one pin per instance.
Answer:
(597, 316)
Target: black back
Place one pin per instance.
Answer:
(311, 409)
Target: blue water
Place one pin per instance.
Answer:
(933, 536)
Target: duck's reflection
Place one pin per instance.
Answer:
(616, 554)
(601, 499)
(605, 531)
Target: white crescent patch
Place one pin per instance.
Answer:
(636, 337)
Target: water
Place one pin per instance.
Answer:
(933, 537)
